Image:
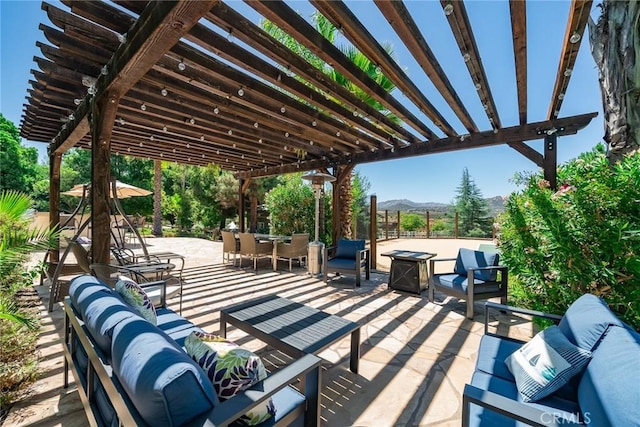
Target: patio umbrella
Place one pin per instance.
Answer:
(122, 190)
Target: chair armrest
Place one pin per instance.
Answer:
(307, 367)
(432, 264)
(513, 409)
(510, 310)
(162, 285)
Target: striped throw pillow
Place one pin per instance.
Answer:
(545, 364)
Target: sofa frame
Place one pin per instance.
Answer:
(304, 371)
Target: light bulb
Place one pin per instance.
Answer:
(260, 140)
(338, 133)
(202, 138)
(283, 110)
(567, 72)
(91, 90)
(286, 134)
(151, 138)
(216, 110)
(143, 107)
(121, 121)
(230, 132)
(104, 70)
(164, 128)
(192, 121)
(255, 125)
(314, 123)
(448, 9)
(575, 38)
(240, 92)
(466, 57)
(164, 92)
(77, 101)
(182, 66)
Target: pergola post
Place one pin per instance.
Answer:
(373, 235)
(551, 159)
(103, 115)
(55, 162)
(241, 204)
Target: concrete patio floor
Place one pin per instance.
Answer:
(415, 356)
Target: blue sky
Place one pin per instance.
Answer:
(423, 178)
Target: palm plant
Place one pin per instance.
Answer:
(330, 32)
(17, 241)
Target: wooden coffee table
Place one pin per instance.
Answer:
(291, 327)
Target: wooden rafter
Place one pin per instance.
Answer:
(405, 26)
(348, 23)
(287, 19)
(458, 19)
(578, 18)
(518, 9)
(160, 26)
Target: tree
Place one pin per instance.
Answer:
(412, 221)
(18, 164)
(615, 46)
(360, 187)
(291, 206)
(471, 207)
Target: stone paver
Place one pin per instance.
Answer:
(415, 356)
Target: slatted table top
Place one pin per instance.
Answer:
(289, 326)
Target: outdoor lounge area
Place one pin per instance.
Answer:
(415, 356)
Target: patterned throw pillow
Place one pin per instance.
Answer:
(545, 364)
(136, 297)
(231, 369)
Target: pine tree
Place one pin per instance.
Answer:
(471, 207)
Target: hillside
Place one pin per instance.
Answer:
(496, 205)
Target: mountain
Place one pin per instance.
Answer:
(496, 205)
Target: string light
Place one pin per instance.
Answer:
(216, 110)
(240, 92)
(164, 92)
(192, 121)
(283, 110)
(575, 38)
(448, 9)
(143, 107)
(182, 66)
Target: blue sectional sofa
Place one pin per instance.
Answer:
(131, 372)
(606, 393)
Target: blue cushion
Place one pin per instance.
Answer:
(342, 264)
(552, 405)
(492, 353)
(102, 314)
(460, 283)
(586, 321)
(165, 385)
(348, 248)
(84, 289)
(468, 258)
(545, 364)
(285, 401)
(609, 392)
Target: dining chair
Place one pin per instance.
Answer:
(230, 245)
(297, 248)
(253, 249)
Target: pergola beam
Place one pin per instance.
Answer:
(532, 131)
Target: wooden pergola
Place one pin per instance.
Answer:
(169, 81)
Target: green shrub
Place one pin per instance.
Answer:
(582, 238)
